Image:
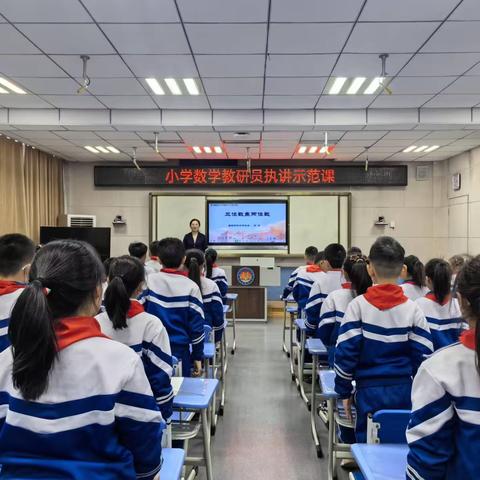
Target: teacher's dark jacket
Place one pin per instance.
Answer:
(200, 242)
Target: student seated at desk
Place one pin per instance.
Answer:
(153, 265)
(126, 321)
(305, 278)
(212, 300)
(214, 272)
(16, 255)
(138, 250)
(444, 429)
(413, 275)
(176, 300)
(332, 280)
(358, 281)
(75, 404)
(440, 309)
(382, 340)
(309, 257)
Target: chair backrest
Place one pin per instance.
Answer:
(388, 426)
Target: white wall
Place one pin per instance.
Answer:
(412, 208)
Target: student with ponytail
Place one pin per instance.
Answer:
(214, 272)
(440, 309)
(75, 404)
(212, 299)
(413, 275)
(444, 429)
(126, 321)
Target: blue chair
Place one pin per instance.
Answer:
(388, 426)
(356, 476)
(172, 463)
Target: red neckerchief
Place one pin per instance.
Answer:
(431, 296)
(8, 286)
(135, 308)
(154, 258)
(347, 285)
(467, 338)
(314, 268)
(174, 271)
(309, 263)
(385, 296)
(410, 282)
(73, 329)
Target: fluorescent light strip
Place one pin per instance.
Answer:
(101, 149)
(302, 149)
(207, 149)
(218, 149)
(420, 149)
(373, 87)
(173, 86)
(113, 149)
(91, 149)
(409, 149)
(14, 88)
(432, 148)
(155, 86)
(312, 149)
(191, 86)
(355, 86)
(337, 85)
(197, 149)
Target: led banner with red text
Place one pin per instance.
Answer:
(256, 177)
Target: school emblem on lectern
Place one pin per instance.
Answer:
(245, 276)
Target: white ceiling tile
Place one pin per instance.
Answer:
(367, 64)
(233, 86)
(364, 135)
(144, 38)
(419, 85)
(295, 86)
(455, 37)
(404, 135)
(118, 101)
(137, 11)
(98, 65)
(333, 136)
(307, 37)
(52, 86)
(227, 38)
(75, 135)
(290, 101)
(23, 101)
(116, 86)
(401, 37)
(44, 11)
(13, 42)
(234, 101)
(182, 102)
(453, 101)
(344, 101)
(223, 11)
(300, 65)
(468, 10)
(162, 66)
(406, 10)
(200, 138)
(29, 66)
(464, 85)
(282, 136)
(399, 101)
(73, 101)
(437, 64)
(231, 65)
(315, 11)
(98, 128)
(231, 137)
(162, 136)
(118, 135)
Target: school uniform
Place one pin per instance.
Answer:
(382, 340)
(303, 284)
(331, 281)
(331, 314)
(9, 292)
(291, 281)
(413, 291)
(444, 429)
(152, 266)
(220, 278)
(444, 319)
(146, 336)
(213, 307)
(97, 419)
(176, 300)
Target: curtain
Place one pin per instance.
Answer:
(31, 189)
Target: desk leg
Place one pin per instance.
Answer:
(313, 409)
(222, 376)
(206, 444)
(331, 439)
(234, 317)
(301, 366)
(292, 364)
(284, 333)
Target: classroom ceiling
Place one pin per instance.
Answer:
(262, 67)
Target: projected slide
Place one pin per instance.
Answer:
(247, 223)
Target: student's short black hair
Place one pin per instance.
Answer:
(171, 252)
(154, 248)
(107, 264)
(354, 251)
(387, 257)
(310, 253)
(137, 249)
(319, 257)
(16, 251)
(335, 255)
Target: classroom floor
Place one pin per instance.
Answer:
(265, 433)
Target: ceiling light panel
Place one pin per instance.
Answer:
(155, 86)
(197, 149)
(191, 86)
(101, 149)
(11, 86)
(91, 149)
(113, 149)
(355, 85)
(173, 86)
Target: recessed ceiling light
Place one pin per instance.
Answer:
(312, 149)
(91, 149)
(420, 149)
(113, 149)
(191, 86)
(432, 148)
(218, 149)
(12, 86)
(302, 149)
(355, 86)
(373, 87)
(409, 149)
(241, 134)
(197, 149)
(155, 86)
(207, 149)
(101, 149)
(173, 86)
(337, 85)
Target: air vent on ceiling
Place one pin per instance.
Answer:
(424, 172)
(74, 220)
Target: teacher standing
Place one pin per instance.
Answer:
(195, 239)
